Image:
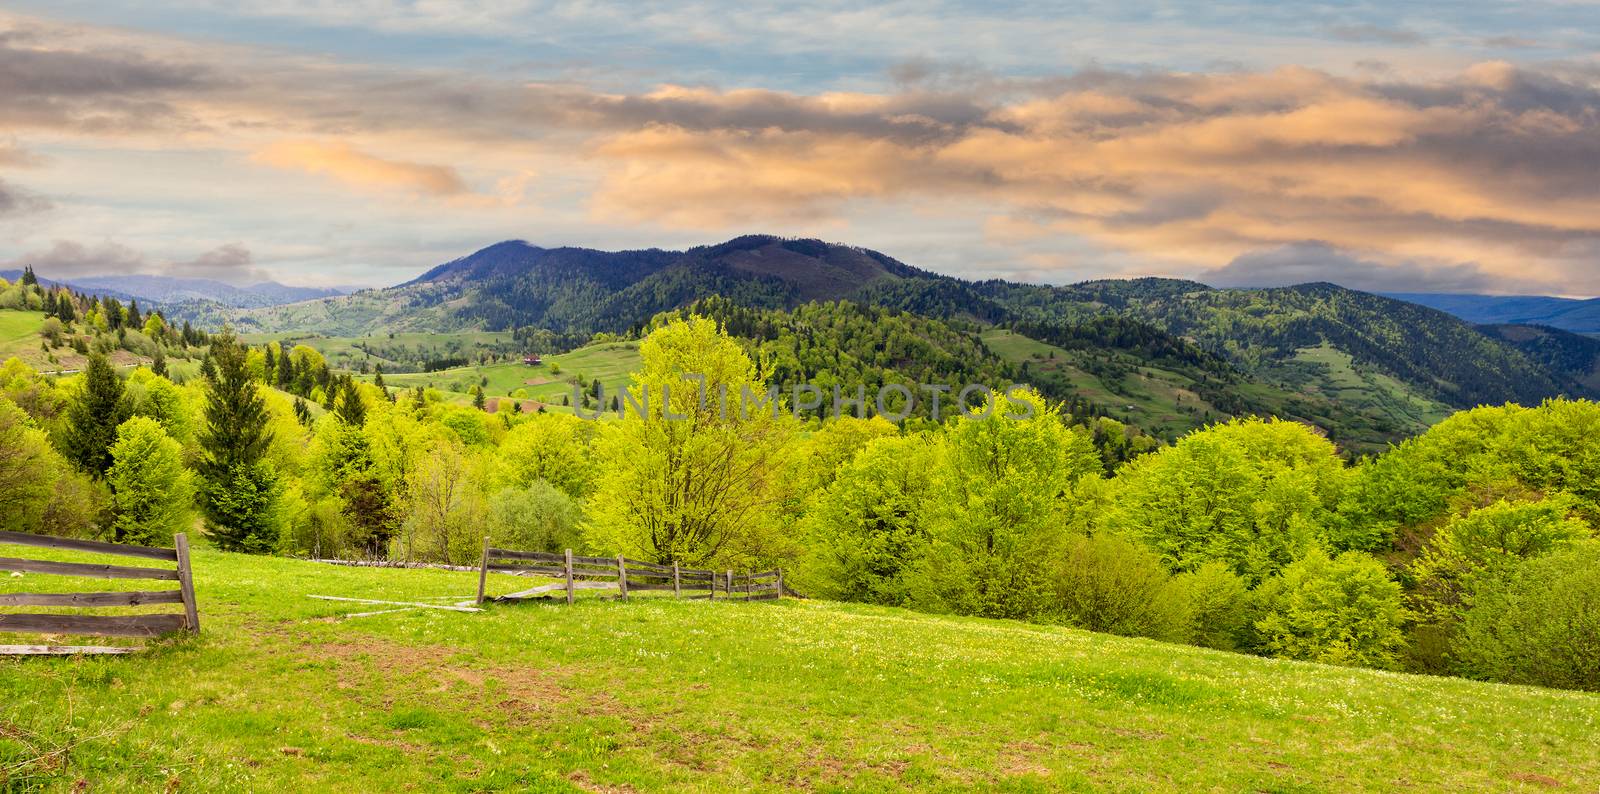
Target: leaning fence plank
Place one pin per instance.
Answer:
(396, 603)
(191, 610)
(74, 544)
(483, 570)
(91, 570)
(569, 576)
(123, 599)
(99, 625)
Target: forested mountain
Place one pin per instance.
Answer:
(1366, 368)
(1567, 314)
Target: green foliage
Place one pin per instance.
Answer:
(151, 490)
(93, 417)
(537, 517)
(1537, 623)
(1218, 605)
(552, 448)
(1110, 584)
(870, 526)
(1252, 494)
(237, 485)
(1489, 541)
(999, 516)
(1343, 610)
(28, 470)
(695, 490)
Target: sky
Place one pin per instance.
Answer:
(1399, 146)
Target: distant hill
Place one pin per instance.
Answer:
(168, 290)
(1567, 314)
(1165, 353)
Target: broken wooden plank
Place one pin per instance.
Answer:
(551, 588)
(63, 650)
(396, 603)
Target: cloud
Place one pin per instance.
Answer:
(1312, 261)
(346, 164)
(67, 259)
(19, 201)
(1374, 33)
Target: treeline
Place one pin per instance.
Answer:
(1468, 550)
(84, 323)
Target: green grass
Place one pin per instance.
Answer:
(653, 694)
(610, 362)
(1160, 401)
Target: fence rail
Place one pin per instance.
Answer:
(98, 625)
(622, 574)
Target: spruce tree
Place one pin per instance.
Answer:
(477, 397)
(351, 409)
(64, 308)
(238, 485)
(28, 278)
(208, 369)
(93, 417)
(159, 366)
(269, 370)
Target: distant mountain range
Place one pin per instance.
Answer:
(1568, 314)
(1367, 367)
(169, 290)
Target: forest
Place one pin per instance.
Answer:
(1467, 550)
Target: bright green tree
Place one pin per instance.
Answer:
(1250, 493)
(151, 491)
(1342, 610)
(1489, 541)
(870, 526)
(549, 447)
(689, 482)
(1003, 498)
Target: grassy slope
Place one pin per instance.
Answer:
(1160, 401)
(278, 694)
(19, 338)
(610, 362)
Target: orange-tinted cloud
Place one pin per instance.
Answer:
(1498, 165)
(346, 164)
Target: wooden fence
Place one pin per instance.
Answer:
(621, 574)
(98, 625)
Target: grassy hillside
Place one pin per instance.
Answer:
(280, 694)
(609, 362)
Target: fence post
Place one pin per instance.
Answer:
(569, 576)
(622, 577)
(191, 611)
(676, 592)
(483, 570)
(730, 583)
(780, 582)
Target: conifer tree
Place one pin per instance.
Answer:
(159, 366)
(477, 397)
(238, 485)
(28, 278)
(351, 409)
(93, 417)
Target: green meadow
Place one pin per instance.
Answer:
(279, 692)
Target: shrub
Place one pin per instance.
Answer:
(1218, 604)
(1344, 610)
(1110, 584)
(1487, 542)
(1538, 623)
(538, 517)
